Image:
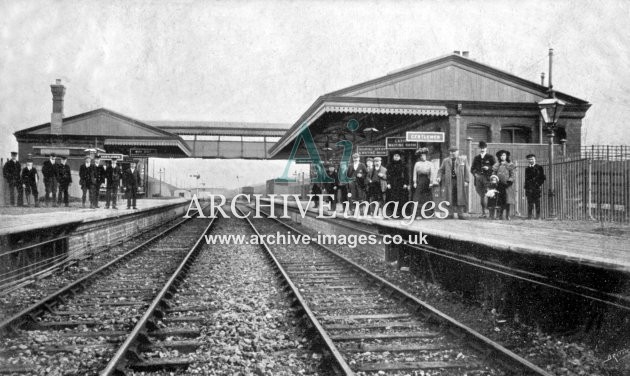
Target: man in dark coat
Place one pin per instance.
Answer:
(84, 179)
(64, 178)
(379, 183)
(534, 179)
(131, 179)
(397, 184)
(96, 179)
(49, 170)
(12, 174)
(342, 186)
(482, 170)
(331, 188)
(113, 175)
(453, 177)
(357, 173)
(30, 177)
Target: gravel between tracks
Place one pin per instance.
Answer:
(250, 328)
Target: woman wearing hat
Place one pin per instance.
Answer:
(504, 169)
(424, 174)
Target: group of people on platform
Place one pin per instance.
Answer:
(494, 183)
(493, 179)
(58, 177)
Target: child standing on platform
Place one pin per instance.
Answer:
(496, 198)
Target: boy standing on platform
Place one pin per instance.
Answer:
(534, 179)
(131, 179)
(84, 179)
(30, 177)
(49, 170)
(12, 174)
(64, 178)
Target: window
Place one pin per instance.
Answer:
(231, 138)
(188, 137)
(207, 138)
(478, 132)
(560, 134)
(253, 139)
(273, 139)
(515, 135)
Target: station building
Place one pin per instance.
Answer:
(462, 100)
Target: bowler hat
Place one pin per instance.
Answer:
(453, 148)
(356, 155)
(482, 145)
(377, 159)
(13, 153)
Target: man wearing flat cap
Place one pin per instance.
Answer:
(482, 170)
(30, 178)
(11, 172)
(49, 170)
(357, 174)
(453, 177)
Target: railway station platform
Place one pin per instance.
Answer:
(37, 220)
(478, 255)
(36, 241)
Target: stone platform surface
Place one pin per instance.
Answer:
(31, 219)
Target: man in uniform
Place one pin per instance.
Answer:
(482, 170)
(84, 179)
(11, 172)
(453, 176)
(30, 177)
(331, 188)
(64, 178)
(95, 181)
(113, 176)
(534, 179)
(131, 179)
(49, 170)
(357, 172)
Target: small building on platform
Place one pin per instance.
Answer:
(452, 100)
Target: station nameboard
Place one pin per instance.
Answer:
(302, 161)
(142, 152)
(425, 136)
(107, 156)
(372, 151)
(399, 143)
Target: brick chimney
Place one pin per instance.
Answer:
(56, 117)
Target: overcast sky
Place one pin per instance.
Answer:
(268, 61)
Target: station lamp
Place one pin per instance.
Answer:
(550, 110)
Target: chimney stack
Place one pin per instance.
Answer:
(465, 53)
(56, 117)
(456, 52)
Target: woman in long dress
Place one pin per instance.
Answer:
(504, 169)
(424, 174)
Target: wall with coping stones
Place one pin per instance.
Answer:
(95, 236)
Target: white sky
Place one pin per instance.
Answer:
(268, 61)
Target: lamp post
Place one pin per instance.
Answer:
(550, 110)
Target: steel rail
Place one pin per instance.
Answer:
(341, 365)
(119, 361)
(47, 303)
(486, 346)
(610, 299)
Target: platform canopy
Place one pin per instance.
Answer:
(423, 97)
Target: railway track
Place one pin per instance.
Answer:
(77, 329)
(367, 325)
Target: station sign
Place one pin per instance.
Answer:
(109, 156)
(302, 161)
(399, 143)
(425, 136)
(142, 152)
(372, 151)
